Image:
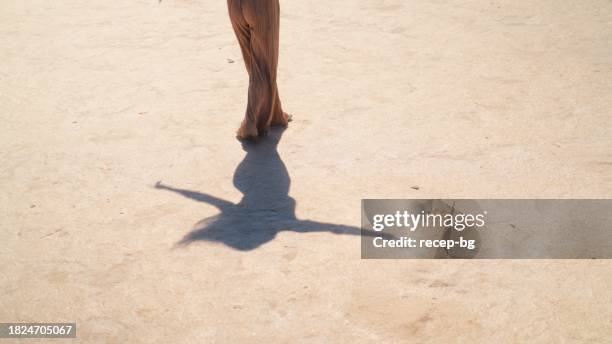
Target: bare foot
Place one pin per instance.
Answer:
(247, 131)
(284, 121)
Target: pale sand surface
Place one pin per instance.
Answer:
(475, 99)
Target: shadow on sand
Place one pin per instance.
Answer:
(266, 207)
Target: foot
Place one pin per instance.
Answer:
(284, 121)
(247, 131)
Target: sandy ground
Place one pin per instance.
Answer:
(99, 100)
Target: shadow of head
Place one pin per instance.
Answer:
(265, 208)
(262, 176)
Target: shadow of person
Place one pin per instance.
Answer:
(265, 208)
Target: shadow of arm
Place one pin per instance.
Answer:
(307, 226)
(197, 196)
